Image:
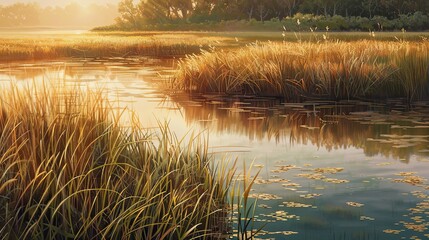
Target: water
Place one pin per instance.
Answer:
(328, 170)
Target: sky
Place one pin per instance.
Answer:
(82, 17)
(58, 2)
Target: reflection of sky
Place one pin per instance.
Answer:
(370, 183)
(370, 176)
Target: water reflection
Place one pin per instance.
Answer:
(329, 170)
(86, 69)
(130, 82)
(391, 129)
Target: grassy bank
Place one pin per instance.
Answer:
(306, 35)
(16, 46)
(52, 46)
(324, 69)
(70, 169)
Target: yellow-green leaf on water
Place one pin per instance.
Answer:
(355, 204)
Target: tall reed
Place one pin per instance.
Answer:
(334, 70)
(69, 169)
(412, 63)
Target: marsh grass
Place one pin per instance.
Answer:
(94, 45)
(330, 69)
(71, 170)
(412, 64)
(306, 35)
(245, 209)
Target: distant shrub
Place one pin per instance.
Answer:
(380, 23)
(418, 21)
(298, 23)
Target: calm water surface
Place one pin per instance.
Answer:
(328, 170)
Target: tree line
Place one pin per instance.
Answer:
(194, 11)
(71, 15)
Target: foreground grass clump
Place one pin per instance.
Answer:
(32, 47)
(334, 70)
(70, 170)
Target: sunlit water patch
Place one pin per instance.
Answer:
(328, 170)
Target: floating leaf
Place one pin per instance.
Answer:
(413, 180)
(355, 204)
(392, 231)
(366, 218)
(331, 170)
(310, 195)
(296, 205)
(264, 196)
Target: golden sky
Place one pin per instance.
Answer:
(59, 2)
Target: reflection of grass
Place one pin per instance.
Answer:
(69, 169)
(331, 128)
(341, 212)
(29, 47)
(245, 213)
(334, 70)
(313, 223)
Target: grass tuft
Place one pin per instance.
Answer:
(332, 70)
(70, 170)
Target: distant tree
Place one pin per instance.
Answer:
(363, 12)
(230, 9)
(311, 6)
(249, 6)
(321, 7)
(370, 7)
(263, 9)
(155, 11)
(20, 14)
(288, 7)
(168, 10)
(128, 13)
(394, 8)
(203, 7)
(349, 8)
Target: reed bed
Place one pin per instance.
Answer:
(329, 69)
(31, 47)
(69, 169)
